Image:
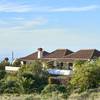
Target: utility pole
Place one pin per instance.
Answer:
(12, 56)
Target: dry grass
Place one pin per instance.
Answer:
(19, 97)
(29, 97)
(90, 95)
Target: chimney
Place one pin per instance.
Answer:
(40, 53)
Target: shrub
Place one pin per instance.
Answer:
(49, 64)
(33, 77)
(27, 82)
(54, 87)
(86, 75)
(4, 63)
(17, 63)
(35, 68)
(31, 83)
(2, 86)
(12, 86)
(2, 74)
(55, 91)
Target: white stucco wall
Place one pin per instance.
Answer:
(11, 68)
(50, 71)
(59, 72)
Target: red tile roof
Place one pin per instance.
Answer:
(59, 53)
(85, 54)
(34, 56)
(66, 55)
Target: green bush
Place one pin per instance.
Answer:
(54, 87)
(35, 68)
(4, 63)
(12, 86)
(31, 83)
(17, 63)
(27, 82)
(86, 75)
(33, 78)
(2, 86)
(55, 91)
(2, 74)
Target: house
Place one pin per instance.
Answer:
(62, 57)
(54, 57)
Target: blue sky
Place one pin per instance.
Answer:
(26, 25)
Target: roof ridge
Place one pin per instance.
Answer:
(92, 53)
(65, 52)
(69, 54)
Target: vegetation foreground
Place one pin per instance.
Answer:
(32, 82)
(90, 95)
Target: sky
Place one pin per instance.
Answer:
(26, 25)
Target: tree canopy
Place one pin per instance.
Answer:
(86, 75)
